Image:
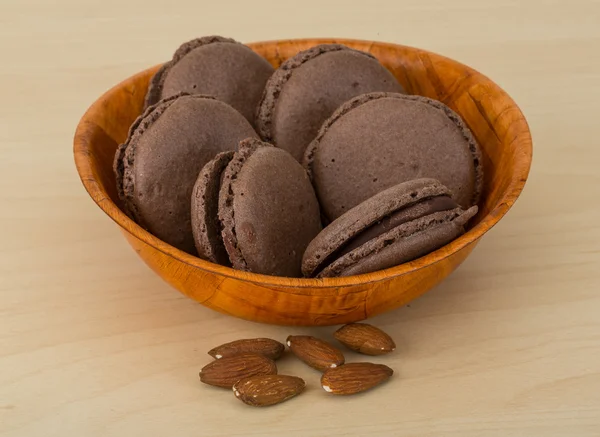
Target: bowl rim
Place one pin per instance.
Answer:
(82, 153)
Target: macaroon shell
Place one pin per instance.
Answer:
(317, 82)
(124, 155)
(398, 218)
(168, 157)
(405, 250)
(205, 204)
(221, 67)
(154, 93)
(269, 211)
(355, 221)
(226, 213)
(402, 244)
(380, 140)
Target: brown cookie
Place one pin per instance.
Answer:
(379, 140)
(395, 226)
(266, 210)
(168, 145)
(306, 89)
(216, 66)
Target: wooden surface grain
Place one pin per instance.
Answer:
(93, 344)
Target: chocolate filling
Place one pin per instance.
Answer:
(389, 222)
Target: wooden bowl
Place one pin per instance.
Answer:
(492, 115)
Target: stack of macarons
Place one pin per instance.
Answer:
(323, 167)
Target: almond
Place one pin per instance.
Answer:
(227, 371)
(315, 352)
(354, 378)
(263, 346)
(264, 390)
(364, 338)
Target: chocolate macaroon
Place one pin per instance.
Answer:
(168, 145)
(379, 140)
(255, 210)
(306, 89)
(395, 226)
(216, 66)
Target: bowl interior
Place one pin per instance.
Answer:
(491, 114)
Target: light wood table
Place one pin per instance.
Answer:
(94, 344)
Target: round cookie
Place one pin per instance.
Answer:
(216, 66)
(264, 216)
(307, 88)
(378, 140)
(167, 147)
(206, 226)
(395, 226)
